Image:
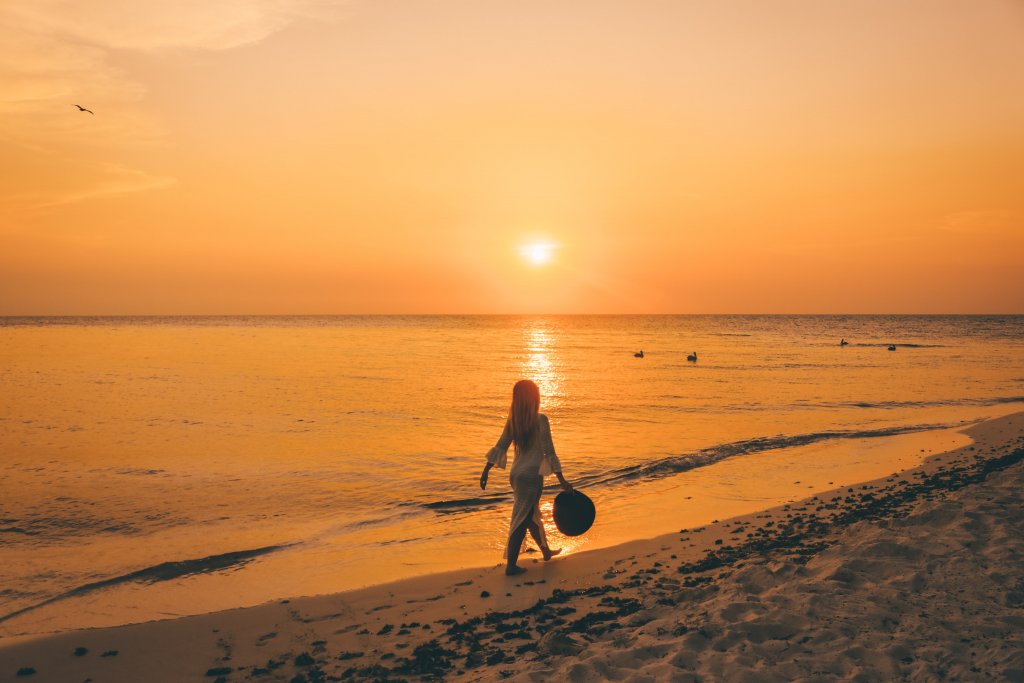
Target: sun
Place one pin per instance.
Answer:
(537, 253)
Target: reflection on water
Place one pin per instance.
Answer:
(568, 544)
(541, 363)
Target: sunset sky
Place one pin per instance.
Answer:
(476, 156)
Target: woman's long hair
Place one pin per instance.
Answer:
(522, 414)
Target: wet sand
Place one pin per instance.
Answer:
(913, 576)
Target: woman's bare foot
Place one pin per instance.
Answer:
(514, 569)
(548, 554)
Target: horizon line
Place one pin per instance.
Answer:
(397, 315)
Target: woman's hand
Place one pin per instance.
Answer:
(566, 486)
(483, 475)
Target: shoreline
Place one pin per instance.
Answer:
(445, 625)
(646, 509)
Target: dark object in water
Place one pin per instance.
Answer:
(639, 354)
(574, 513)
(892, 347)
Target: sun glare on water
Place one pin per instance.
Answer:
(537, 254)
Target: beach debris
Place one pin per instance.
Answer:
(81, 651)
(26, 671)
(262, 640)
(219, 671)
(271, 665)
(428, 659)
(349, 655)
(109, 653)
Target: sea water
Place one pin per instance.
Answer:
(160, 466)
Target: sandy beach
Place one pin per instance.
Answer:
(914, 576)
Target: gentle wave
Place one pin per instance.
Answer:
(165, 571)
(817, 405)
(889, 405)
(676, 464)
(466, 503)
(708, 456)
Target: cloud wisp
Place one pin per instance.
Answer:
(57, 52)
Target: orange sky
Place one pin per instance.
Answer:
(312, 156)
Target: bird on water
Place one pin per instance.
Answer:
(639, 354)
(81, 108)
(843, 342)
(892, 347)
(692, 357)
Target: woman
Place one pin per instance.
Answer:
(535, 457)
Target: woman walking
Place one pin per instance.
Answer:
(535, 457)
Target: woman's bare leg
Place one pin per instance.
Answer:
(515, 544)
(534, 530)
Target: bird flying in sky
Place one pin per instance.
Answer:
(81, 108)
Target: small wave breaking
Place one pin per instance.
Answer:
(889, 405)
(466, 503)
(165, 571)
(676, 464)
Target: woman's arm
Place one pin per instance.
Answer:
(566, 486)
(497, 455)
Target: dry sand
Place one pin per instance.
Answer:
(917, 576)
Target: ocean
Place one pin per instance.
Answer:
(153, 467)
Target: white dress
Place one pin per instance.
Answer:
(529, 468)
